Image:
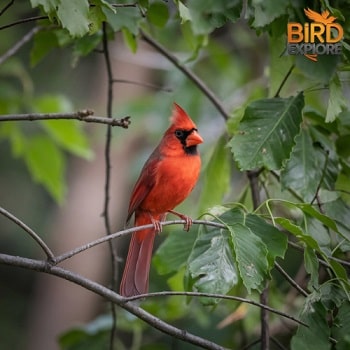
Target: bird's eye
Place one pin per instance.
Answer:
(179, 133)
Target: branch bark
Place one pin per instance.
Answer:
(85, 115)
(34, 235)
(109, 295)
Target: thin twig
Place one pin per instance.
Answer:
(71, 253)
(253, 177)
(13, 50)
(34, 235)
(216, 296)
(193, 77)
(24, 20)
(290, 280)
(109, 295)
(6, 7)
(113, 253)
(291, 191)
(316, 196)
(148, 85)
(85, 115)
(284, 81)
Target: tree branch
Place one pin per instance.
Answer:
(37, 239)
(13, 50)
(290, 280)
(24, 20)
(139, 83)
(107, 294)
(105, 214)
(253, 177)
(218, 296)
(6, 7)
(193, 77)
(58, 259)
(85, 115)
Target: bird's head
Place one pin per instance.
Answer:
(183, 131)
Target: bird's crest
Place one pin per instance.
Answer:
(322, 17)
(180, 119)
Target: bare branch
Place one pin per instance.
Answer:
(218, 296)
(193, 77)
(13, 50)
(24, 20)
(148, 85)
(291, 281)
(27, 229)
(108, 294)
(6, 7)
(69, 254)
(85, 115)
(105, 214)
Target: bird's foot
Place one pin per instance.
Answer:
(188, 220)
(157, 225)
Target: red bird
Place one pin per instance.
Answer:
(166, 179)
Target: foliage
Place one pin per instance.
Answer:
(290, 131)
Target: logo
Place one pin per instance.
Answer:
(321, 36)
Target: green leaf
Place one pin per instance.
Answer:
(275, 241)
(48, 5)
(216, 175)
(339, 212)
(83, 46)
(316, 336)
(341, 328)
(126, 17)
(266, 11)
(46, 165)
(310, 210)
(67, 133)
(211, 268)
(12, 132)
(44, 42)
(92, 336)
(311, 267)
(304, 169)
(74, 16)
(174, 252)
(267, 132)
(208, 15)
(184, 12)
(336, 102)
(298, 232)
(130, 40)
(158, 14)
(321, 71)
(251, 256)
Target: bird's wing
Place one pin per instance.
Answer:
(144, 184)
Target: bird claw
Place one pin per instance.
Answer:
(188, 220)
(157, 225)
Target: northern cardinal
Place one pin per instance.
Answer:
(166, 179)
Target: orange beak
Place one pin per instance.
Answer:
(193, 139)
